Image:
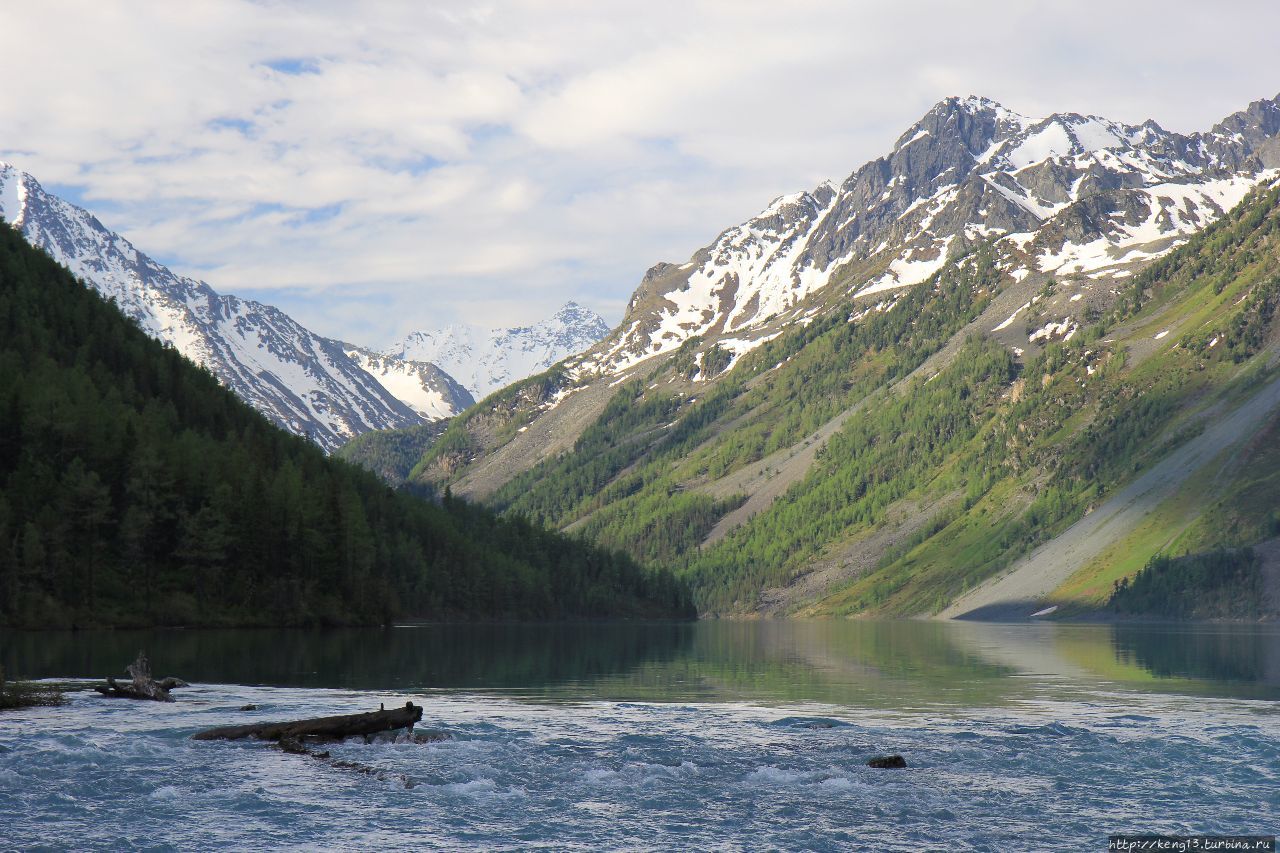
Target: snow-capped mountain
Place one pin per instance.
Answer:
(1066, 194)
(308, 384)
(485, 360)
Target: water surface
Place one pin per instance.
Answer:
(710, 735)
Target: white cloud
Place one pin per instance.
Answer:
(409, 164)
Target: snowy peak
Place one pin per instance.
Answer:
(570, 330)
(484, 360)
(579, 318)
(426, 389)
(989, 129)
(1066, 193)
(1060, 136)
(306, 383)
(959, 126)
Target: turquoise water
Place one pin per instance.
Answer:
(709, 736)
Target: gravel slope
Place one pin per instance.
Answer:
(1025, 588)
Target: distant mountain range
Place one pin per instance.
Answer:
(311, 385)
(484, 360)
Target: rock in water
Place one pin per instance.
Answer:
(887, 762)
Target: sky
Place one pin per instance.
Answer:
(378, 168)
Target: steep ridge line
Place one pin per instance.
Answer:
(1055, 197)
(1093, 208)
(313, 386)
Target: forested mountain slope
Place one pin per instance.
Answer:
(940, 477)
(136, 490)
(879, 445)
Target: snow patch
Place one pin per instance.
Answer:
(1050, 141)
(904, 272)
(1066, 329)
(1009, 322)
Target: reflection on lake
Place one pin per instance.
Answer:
(903, 665)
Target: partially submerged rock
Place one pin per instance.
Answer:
(887, 762)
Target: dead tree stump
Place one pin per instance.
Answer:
(143, 686)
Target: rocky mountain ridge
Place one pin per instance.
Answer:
(1064, 194)
(1069, 203)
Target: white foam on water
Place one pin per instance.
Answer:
(620, 774)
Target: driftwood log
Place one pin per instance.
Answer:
(293, 737)
(142, 685)
(321, 728)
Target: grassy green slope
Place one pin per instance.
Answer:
(631, 479)
(1092, 414)
(1001, 454)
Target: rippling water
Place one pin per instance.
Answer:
(707, 736)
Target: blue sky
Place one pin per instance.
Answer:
(421, 163)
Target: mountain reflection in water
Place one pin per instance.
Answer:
(901, 664)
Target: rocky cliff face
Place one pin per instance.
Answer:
(306, 383)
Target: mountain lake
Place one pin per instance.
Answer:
(711, 735)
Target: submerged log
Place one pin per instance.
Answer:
(294, 746)
(328, 728)
(142, 686)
